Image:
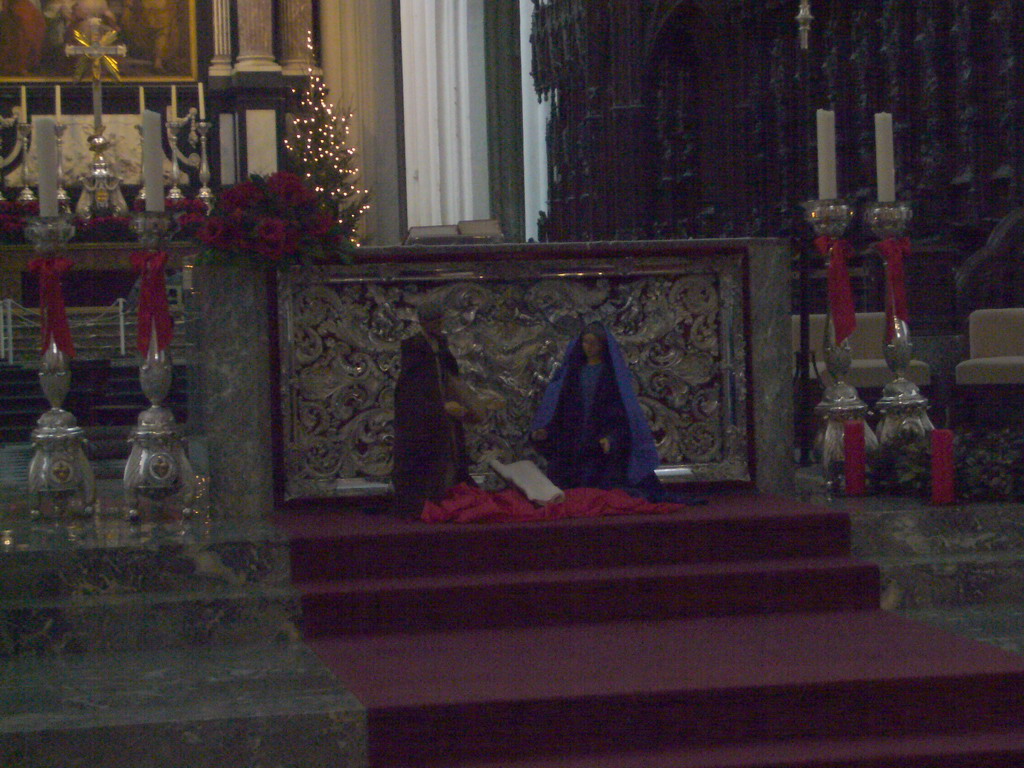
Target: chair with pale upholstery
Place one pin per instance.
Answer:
(990, 382)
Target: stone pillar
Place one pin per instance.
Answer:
(220, 62)
(445, 101)
(296, 26)
(359, 56)
(536, 113)
(234, 380)
(256, 36)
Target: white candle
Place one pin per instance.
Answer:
(885, 162)
(45, 141)
(142, 101)
(152, 161)
(56, 102)
(24, 105)
(202, 102)
(827, 187)
(174, 102)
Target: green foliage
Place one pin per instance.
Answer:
(988, 466)
(318, 150)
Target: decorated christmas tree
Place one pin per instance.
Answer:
(319, 151)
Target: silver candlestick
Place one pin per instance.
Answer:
(903, 410)
(63, 199)
(205, 194)
(158, 468)
(59, 474)
(840, 402)
(174, 126)
(101, 187)
(25, 138)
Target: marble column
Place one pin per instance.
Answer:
(256, 36)
(360, 68)
(536, 113)
(220, 61)
(296, 25)
(445, 111)
(234, 380)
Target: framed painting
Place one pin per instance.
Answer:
(160, 36)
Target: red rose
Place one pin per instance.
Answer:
(242, 195)
(273, 239)
(216, 233)
(289, 191)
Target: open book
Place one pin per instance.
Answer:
(527, 477)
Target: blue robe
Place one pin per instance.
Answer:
(572, 449)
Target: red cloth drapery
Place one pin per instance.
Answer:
(467, 504)
(153, 308)
(894, 251)
(840, 295)
(53, 314)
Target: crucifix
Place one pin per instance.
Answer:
(98, 52)
(101, 188)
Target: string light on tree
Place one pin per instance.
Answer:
(318, 150)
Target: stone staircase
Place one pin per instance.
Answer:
(159, 644)
(959, 567)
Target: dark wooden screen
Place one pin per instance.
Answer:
(674, 118)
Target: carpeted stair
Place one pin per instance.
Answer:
(731, 635)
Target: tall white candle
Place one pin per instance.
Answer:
(202, 102)
(826, 124)
(24, 105)
(152, 161)
(174, 102)
(885, 162)
(56, 102)
(45, 142)
(142, 101)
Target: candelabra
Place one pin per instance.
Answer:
(158, 468)
(25, 138)
(59, 474)
(840, 402)
(903, 410)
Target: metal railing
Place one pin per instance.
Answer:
(98, 332)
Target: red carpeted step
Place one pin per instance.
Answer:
(586, 595)
(970, 750)
(438, 698)
(733, 526)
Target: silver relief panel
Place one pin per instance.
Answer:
(680, 323)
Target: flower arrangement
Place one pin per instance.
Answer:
(188, 215)
(271, 222)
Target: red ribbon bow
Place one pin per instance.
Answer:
(840, 294)
(895, 250)
(154, 312)
(53, 314)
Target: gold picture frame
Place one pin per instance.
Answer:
(160, 36)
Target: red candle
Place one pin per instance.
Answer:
(853, 457)
(942, 467)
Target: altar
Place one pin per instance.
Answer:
(702, 324)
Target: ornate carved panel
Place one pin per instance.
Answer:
(680, 322)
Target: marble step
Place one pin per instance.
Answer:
(135, 622)
(237, 707)
(104, 584)
(108, 556)
(915, 529)
(951, 581)
(998, 624)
